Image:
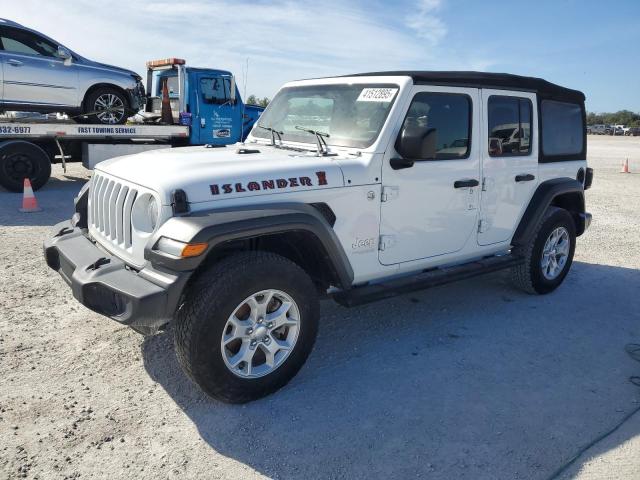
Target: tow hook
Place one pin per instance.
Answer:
(98, 263)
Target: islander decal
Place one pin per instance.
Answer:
(269, 184)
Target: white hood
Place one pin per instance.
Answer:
(207, 174)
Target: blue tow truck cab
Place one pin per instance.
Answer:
(204, 99)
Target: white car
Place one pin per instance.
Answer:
(355, 188)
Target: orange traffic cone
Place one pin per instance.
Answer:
(165, 113)
(625, 166)
(29, 202)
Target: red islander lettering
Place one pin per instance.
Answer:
(214, 189)
(226, 188)
(293, 182)
(252, 186)
(322, 178)
(281, 182)
(240, 188)
(305, 182)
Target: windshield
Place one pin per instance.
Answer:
(350, 115)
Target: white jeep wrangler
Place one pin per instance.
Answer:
(356, 188)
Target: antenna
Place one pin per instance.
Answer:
(244, 97)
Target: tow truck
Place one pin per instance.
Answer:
(185, 106)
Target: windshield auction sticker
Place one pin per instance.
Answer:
(377, 94)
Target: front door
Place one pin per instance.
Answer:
(216, 111)
(431, 208)
(33, 73)
(509, 162)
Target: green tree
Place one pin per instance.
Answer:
(264, 102)
(252, 100)
(622, 117)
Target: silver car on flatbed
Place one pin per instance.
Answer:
(38, 74)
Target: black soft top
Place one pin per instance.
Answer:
(504, 81)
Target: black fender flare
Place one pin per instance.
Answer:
(544, 196)
(221, 225)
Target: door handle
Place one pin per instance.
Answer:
(525, 177)
(466, 183)
(14, 62)
(400, 163)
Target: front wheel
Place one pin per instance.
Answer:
(247, 326)
(107, 106)
(548, 255)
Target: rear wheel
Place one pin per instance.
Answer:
(107, 106)
(548, 255)
(247, 326)
(20, 160)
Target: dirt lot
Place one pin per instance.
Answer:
(468, 381)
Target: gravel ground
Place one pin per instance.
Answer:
(468, 381)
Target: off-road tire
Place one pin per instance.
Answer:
(528, 276)
(19, 160)
(213, 296)
(89, 107)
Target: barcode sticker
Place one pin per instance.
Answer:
(377, 94)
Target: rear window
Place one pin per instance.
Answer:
(562, 128)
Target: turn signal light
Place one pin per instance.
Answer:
(180, 249)
(194, 249)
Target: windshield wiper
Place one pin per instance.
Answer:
(274, 132)
(321, 144)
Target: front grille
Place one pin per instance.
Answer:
(110, 208)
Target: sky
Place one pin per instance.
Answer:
(589, 45)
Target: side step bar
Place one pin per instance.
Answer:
(423, 280)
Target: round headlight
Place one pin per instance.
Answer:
(145, 213)
(152, 211)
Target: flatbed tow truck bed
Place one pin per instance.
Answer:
(28, 148)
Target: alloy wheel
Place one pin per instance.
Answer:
(555, 253)
(109, 108)
(260, 334)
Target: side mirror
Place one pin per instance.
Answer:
(416, 142)
(232, 92)
(65, 55)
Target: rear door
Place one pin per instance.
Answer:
(509, 162)
(431, 208)
(217, 114)
(33, 73)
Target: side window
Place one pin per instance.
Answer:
(446, 120)
(215, 90)
(562, 128)
(509, 126)
(21, 41)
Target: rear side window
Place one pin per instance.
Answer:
(448, 116)
(509, 126)
(562, 128)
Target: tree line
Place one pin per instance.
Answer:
(261, 102)
(623, 117)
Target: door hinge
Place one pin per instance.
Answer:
(389, 193)
(386, 242)
(483, 226)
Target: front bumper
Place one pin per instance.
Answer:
(137, 97)
(144, 300)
